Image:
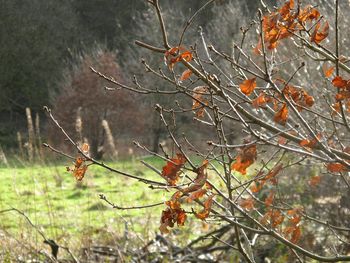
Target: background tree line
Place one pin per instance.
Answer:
(42, 42)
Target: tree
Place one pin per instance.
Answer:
(35, 42)
(86, 105)
(40, 39)
(296, 135)
(147, 29)
(104, 21)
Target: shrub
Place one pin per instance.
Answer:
(282, 190)
(82, 105)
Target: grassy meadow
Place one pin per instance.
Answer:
(71, 212)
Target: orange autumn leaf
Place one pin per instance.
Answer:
(342, 95)
(173, 214)
(186, 74)
(258, 184)
(340, 83)
(308, 13)
(309, 100)
(288, 230)
(176, 196)
(296, 234)
(291, 4)
(327, 71)
(174, 55)
(247, 204)
(287, 21)
(336, 168)
(260, 101)
(310, 143)
(170, 217)
(292, 92)
(200, 179)
(181, 218)
(269, 199)
(307, 143)
(313, 14)
(173, 203)
(285, 9)
(299, 96)
(80, 172)
(296, 218)
(272, 37)
(171, 170)
(78, 162)
(170, 56)
(279, 25)
(274, 217)
(315, 180)
(187, 56)
(173, 52)
(241, 165)
(293, 230)
(320, 34)
(255, 188)
(271, 177)
(285, 31)
(79, 169)
(277, 218)
(207, 208)
(199, 100)
(269, 22)
(85, 148)
(282, 115)
(339, 167)
(166, 221)
(247, 86)
(245, 158)
(196, 195)
(275, 104)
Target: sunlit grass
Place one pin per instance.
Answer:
(72, 213)
(65, 209)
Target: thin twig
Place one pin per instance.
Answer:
(104, 198)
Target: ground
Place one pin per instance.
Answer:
(70, 212)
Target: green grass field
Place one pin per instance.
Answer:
(71, 213)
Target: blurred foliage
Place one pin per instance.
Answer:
(36, 37)
(41, 39)
(83, 95)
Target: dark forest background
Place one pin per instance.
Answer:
(44, 44)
